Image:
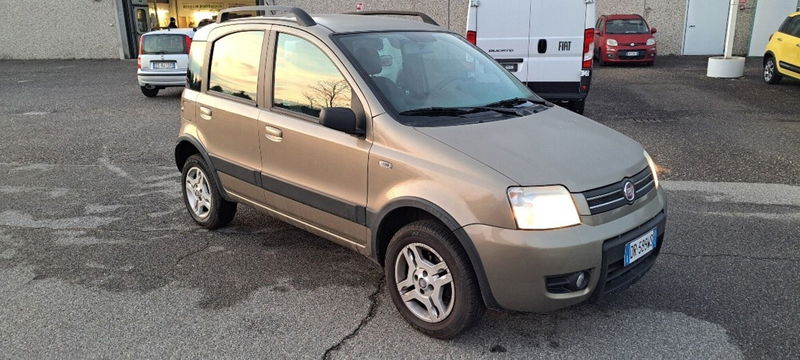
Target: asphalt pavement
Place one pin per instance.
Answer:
(99, 259)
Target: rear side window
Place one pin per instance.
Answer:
(306, 80)
(235, 60)
(164, 44)
(195, 70)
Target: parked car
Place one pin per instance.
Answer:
(625, 39)
(163, 56)
(546, 44)
(402, 141)
(782, 56)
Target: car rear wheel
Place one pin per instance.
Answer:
(149, 91)
(431, 281)
(771, 75)
(201, 195)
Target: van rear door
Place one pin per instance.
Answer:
(556, 44)
(503, 31)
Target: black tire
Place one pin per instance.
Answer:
(771, 74)
(467, 307)
(149, 91)
(221, 211)
(577, 106)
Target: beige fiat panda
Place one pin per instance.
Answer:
(402, 141)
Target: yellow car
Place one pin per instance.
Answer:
(782, 57)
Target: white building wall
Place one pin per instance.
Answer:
(47, 29)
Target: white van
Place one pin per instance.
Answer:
(546, 43)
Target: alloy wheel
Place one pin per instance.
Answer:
(424, 282)
(769, 70)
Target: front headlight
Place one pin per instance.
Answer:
(653, 168)
(651, 41)
(611, 42)
(543, 207)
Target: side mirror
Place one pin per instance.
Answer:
(652, 30)
(339, 118)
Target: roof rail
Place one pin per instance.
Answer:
(301, 15)
(425, 18)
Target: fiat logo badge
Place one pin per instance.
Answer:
(629, 190)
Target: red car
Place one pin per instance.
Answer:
(624, 39)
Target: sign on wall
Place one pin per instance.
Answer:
(359, 6)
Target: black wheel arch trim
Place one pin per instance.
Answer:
(206, 158)
(374, 220)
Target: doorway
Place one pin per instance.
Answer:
(706, 22)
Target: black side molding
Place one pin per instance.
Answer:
(341, 208)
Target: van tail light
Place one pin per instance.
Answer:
(588, 49)
(472, 36)
(141, 51)
(188, 41)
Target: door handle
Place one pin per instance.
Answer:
(205, 113)
(691, 26)
(273, 134)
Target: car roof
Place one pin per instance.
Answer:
(623, 16)
(332, 24)
(179, 31)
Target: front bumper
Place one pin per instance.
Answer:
(517, 263)
(161, 78)
(619, 54)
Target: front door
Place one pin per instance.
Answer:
(706, 22)
(311, 172)
(227, 112)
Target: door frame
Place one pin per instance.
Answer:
(686, 27)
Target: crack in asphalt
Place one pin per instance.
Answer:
(171, 271)
(737, 256)
(373, 307)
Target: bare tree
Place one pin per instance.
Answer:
(326, 92)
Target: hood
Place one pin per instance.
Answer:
(627, 39)
(555, 146)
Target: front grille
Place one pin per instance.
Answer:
(610, 197)
(614, 275)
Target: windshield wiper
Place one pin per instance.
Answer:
(457, 111)
(436, 111)
(518, 101)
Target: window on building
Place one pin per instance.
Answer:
(235, 61)
(306, 80)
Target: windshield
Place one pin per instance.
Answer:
(164, 44)
(627, 26)
(416, 71)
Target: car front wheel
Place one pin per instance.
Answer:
(431, 281)
(771, 75)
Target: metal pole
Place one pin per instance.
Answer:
(731, 31)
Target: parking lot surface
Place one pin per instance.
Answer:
(98, 257)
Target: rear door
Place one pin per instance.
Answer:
(556, 40)
(789, 43)
(227, 110)
(503, 29)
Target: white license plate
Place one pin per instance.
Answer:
(632, 53)
(641, 246)
(162, 65)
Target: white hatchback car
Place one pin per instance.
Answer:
(163, 57)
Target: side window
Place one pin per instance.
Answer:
(597, 25)
(794, 26)
(235, 60)
(193, 74)
(306, 80)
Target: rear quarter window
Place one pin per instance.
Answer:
(194, 72)
(164, 44)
